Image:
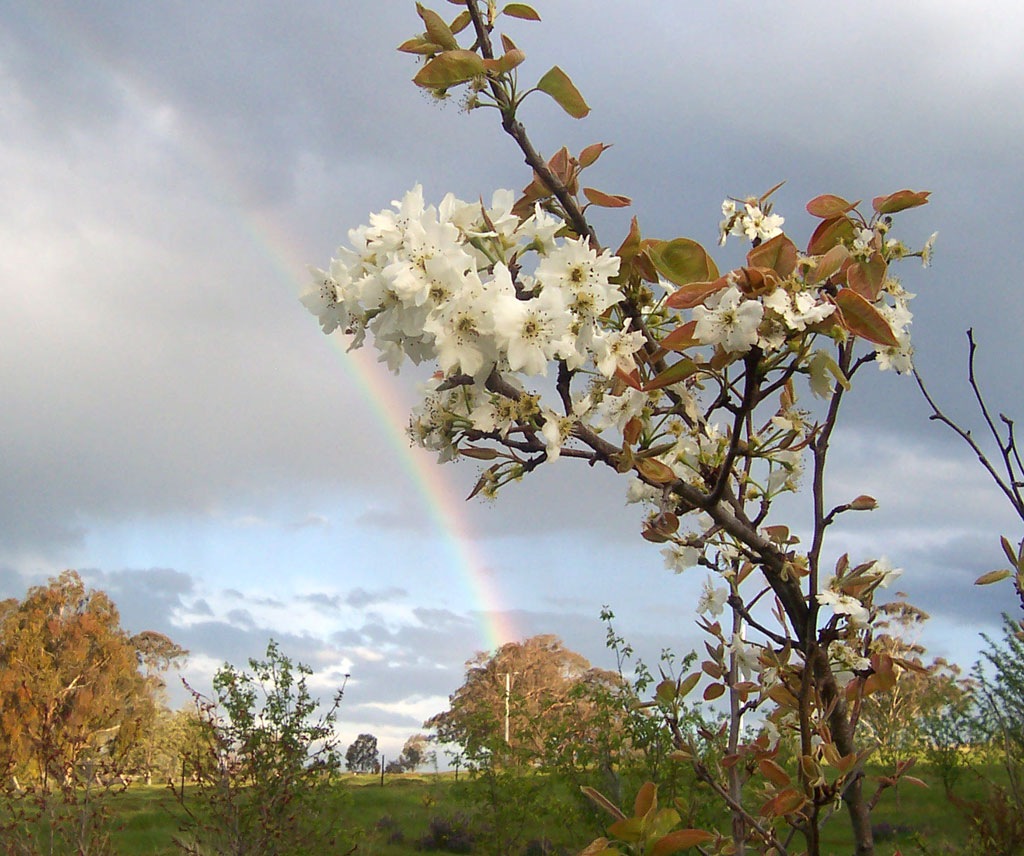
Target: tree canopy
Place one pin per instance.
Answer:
(70, 679)
(545, 683)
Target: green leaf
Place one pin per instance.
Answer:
(462, 20)
(993, 577)
(627, 829)
(1008, 549)
(683, 261)
(673, 374)
(557, 84)
(862, 319)
(687, 684)
(449, 69)
(521, 10)
(606, 200)
(481, 454)
(660, 825)
(900, 201)
(437, 29)
(419, 45)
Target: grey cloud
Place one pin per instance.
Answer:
(330, 603)
(360, 598)
(242, 617)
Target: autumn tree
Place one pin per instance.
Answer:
(536, 681)
(895, 716)
(71, 689)
(414, 754)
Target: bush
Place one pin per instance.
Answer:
(265, 768)
(449, 833)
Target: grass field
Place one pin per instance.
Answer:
(394, 818)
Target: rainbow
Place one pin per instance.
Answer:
(376, 386)
(444, 506)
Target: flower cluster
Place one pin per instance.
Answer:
(447, 283)
(494, 299)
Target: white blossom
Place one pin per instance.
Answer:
(712, 599)
(729, 320)
(844, 604)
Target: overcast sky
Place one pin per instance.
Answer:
(174, 426)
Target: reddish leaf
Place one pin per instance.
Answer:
(866, 277)
(779, 254)
(773, 773)
(673, 374)
(900, 201)
(646, 799)
(606, 200)
(631, 244)
(655, 471)
(591, 153)
(632, 379)
(713, 691)
(506, 62)
(829, 263)
(827, 206)
(681, 338)
(862, 319)
(678, 840)
(713, 670)
(631, 433)
(830, 232)
(694, 294)
(787, 802)
(559, 86)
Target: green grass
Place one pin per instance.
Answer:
(147, 818)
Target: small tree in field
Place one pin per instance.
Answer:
(264, 766)
(711, 393)
(362, 755)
